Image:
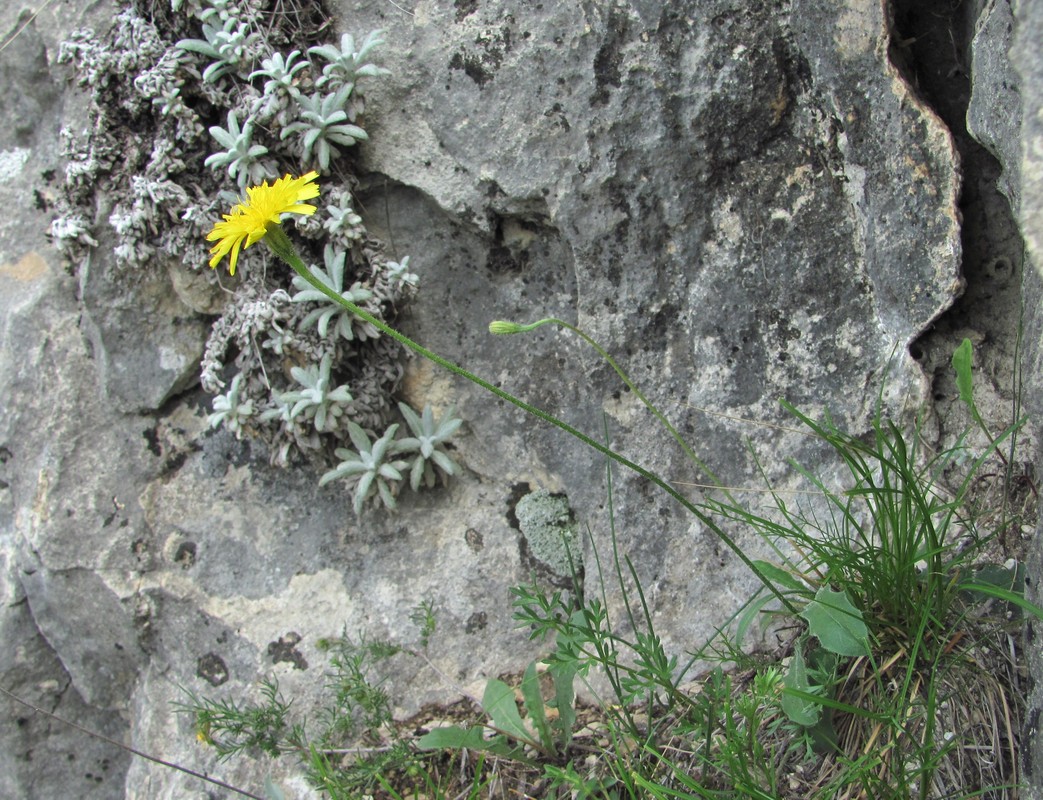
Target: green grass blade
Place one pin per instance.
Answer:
(1004, 594)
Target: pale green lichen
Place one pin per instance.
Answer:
(547, 523)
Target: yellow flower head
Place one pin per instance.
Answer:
(264, 206)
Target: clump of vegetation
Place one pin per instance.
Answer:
(893, 672)
(229, 97)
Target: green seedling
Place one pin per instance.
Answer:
(512, 734)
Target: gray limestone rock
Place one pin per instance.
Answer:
(1027, 164)
(994, 114)
(40, 757)
(739, 201)
(146, 341)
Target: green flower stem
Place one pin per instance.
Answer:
(283, 248)
(500, 327)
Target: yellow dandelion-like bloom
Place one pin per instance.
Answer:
(250, 221)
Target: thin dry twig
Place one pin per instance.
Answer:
(128, 749)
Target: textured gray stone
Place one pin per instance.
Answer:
(147, 344)
(994, 115)
(1028, 62)
(38, 756)
(741, 202)
(721, 199)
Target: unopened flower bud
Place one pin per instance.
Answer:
(502, 327)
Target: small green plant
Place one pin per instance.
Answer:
(399, 274)
(582, 787)
(838, 628)
(282, 73)
(323, 124)
(229, 47)
(358, 703)
(880, 576)
(325, 312)
(240, 155)
(318, 401)
(428, 442)
(231, 410)
(747, 720)
(962, 364)
(511, 734)
(345, 223)
(357, 708)
(371, 464)
(423, 617)
(233, 728)
(376, 468)
(344, 64)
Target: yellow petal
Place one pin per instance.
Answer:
(265, 205)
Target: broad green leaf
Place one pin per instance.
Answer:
(456, 738)
(962, 358)
(564, 700)
(823, 735)
(779, 576)
(828, 702)
(530, 688)
(498, 702)
(799, 709)
(782, 580)
(822, 666)
(749, 614)
(997, 575)
(836, 623)
(452, 738)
